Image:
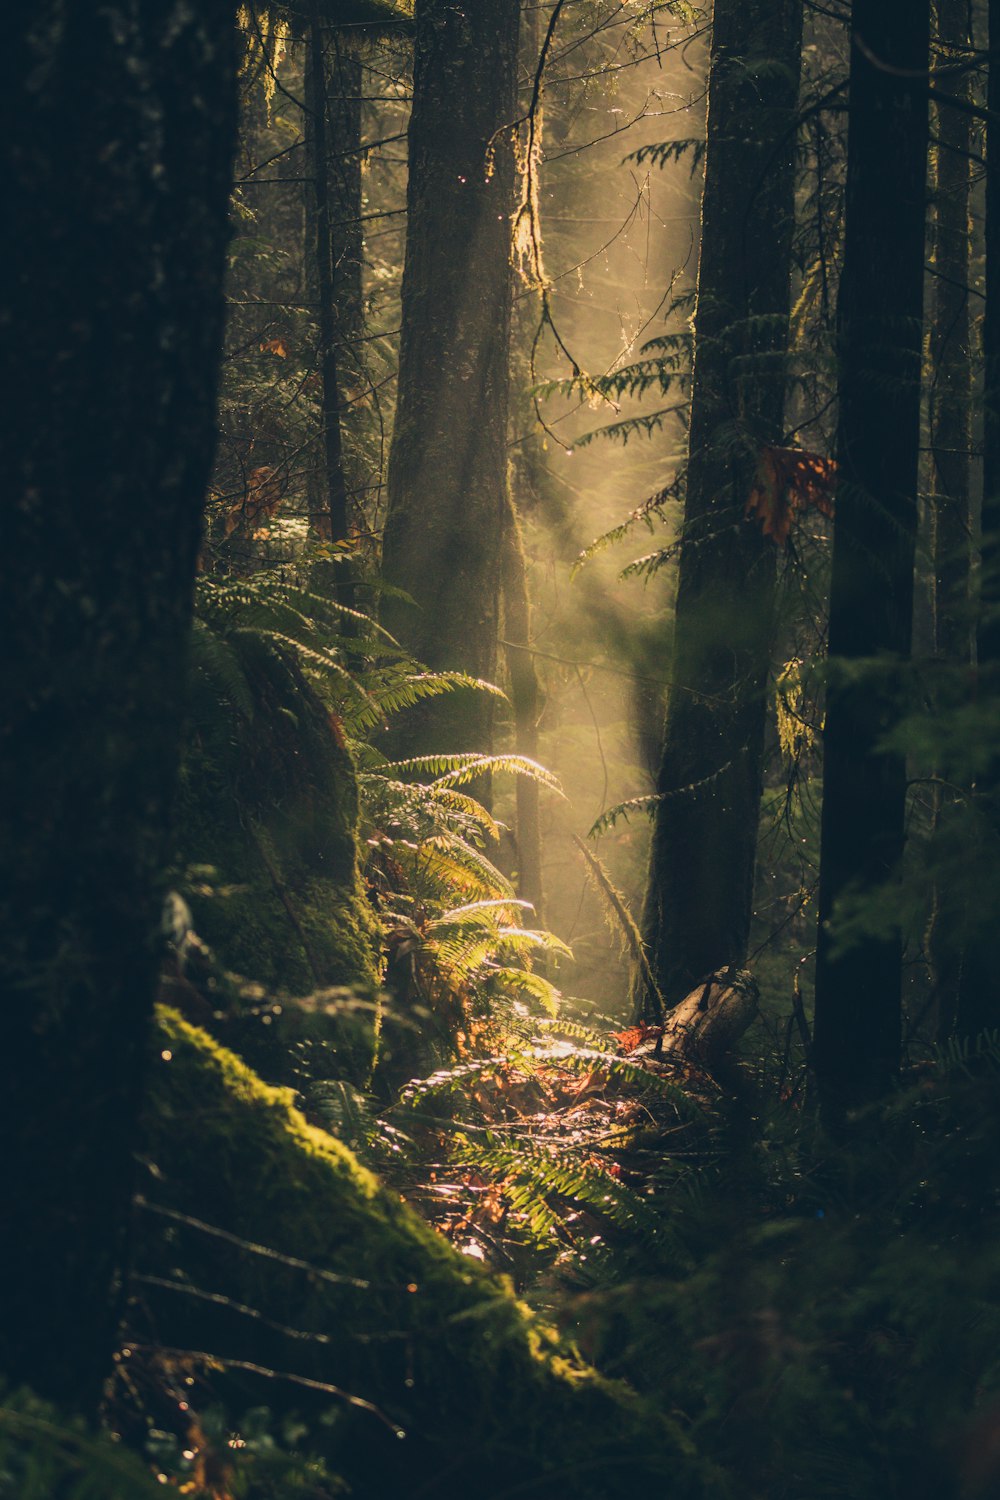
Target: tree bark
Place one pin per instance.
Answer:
(857, 1026)
(118, 129)
(950, 413)
(951, 336)
(978, 1009)
(447, 481)
(333, 249)
(699, 902)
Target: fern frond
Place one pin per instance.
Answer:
(524, 982)
(399, 689)
(597, 1041)
(585, 1059)
(538, 1172)
(645, 804)
(214, 660)
(458, 769)
(523, 938)
(459, 916)
(314, 655)
(456, 867)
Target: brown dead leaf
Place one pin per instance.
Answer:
(275, 346)
(636, 1035)
(789, 480)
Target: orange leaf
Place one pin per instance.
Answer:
(789, 480)
(274, 346)
(635, 1036)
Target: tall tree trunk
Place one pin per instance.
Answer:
(951, 335)
(118, 128)
(951, 439)
(857, 1027)
(699, 902)
(447, 482)
(333, 201)
(978, 1006)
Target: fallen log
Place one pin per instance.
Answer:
(263, 1243)
(707, 1023)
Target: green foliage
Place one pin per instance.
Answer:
(396, 1331)
(43, 1455)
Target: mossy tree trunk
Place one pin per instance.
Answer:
(699, 901)
(353, 1291)
(118, 129)
(880, 317)
(447, 481)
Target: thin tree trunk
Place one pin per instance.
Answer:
(978, 1007)
(526, 698)
(951, 336)
(951, 440)
(118, 129)
(857, 1027)
(331, 517)
(699, 902)
(447, 481)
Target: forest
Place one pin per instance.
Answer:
(500, 752)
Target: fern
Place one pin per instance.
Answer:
(586, 1059)
(522, 982)
(533, 1173)
(645, 804)
(402, 686)
(459, 770)
(599, 1041)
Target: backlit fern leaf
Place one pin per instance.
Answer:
(538, 1172)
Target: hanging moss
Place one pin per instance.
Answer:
(484, 1392)
(268, 810)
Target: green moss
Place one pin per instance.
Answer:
(486, 1394)
(269, 805)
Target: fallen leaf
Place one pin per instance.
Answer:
(789, 480)
(636, 1035)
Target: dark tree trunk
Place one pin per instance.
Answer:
(699, 903)
(951, 333)
(978, 1004)
(333, 250)
(118, 128)
(857, 1028)
(447, 483)
(951, 443)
